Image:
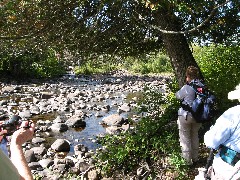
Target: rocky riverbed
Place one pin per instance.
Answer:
(70, 112)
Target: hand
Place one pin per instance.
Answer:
(23, 134)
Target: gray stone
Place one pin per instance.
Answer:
(61, 145)
(113, 120)
(46, 163)
(30, 156)
(76, 121)
(59, 127)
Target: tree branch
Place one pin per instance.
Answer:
(193, 29)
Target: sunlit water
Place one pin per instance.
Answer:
(85, 136)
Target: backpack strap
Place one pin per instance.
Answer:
(199, 89)
(187, 107)
(194, 85)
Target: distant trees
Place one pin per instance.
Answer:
(123, 28)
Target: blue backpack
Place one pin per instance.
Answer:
(203, 108)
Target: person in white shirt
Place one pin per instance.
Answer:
(16, 167)
(187, 125)
(224, 136)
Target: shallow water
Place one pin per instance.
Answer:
(85, 136)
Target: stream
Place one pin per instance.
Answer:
(88, 94)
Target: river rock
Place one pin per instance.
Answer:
(25, 114)
(60, 168)
(46, 95)
(39, 151)
(93, 175)
(83, 166)
(61, 145)
(3, 102)
(59, 127)
(46, 163)
(124, 108)
(34, 110)
(34, 166)
(73, 101)
(8, 89)
(38, 140)
(113, 120)
(76, 122)
(30, 156)
(59, 119)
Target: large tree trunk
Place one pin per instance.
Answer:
(175, 44)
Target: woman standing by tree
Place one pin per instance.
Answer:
(187, 125)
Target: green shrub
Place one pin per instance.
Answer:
(155, 137)
(30, 63)
(17, 63)
(95, 67)
(220, 67)
(158, 63)
(49, 67)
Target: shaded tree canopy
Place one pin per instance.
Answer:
(123, 28)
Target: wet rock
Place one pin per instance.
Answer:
(76, 121)
(38, 140)
(61, 145)
(58, 119)
(113, 120)
(106, 108)
(124, 108)
(59, 127)
(100, 114)
(80, 149)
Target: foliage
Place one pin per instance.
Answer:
(154, 138)
(113, 27)
(29, 63)
(153, 63)
(217, 29)
(118, 28)
(50, 67)
(93, 66)
(220, 66)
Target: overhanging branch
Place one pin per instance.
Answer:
(193, 29)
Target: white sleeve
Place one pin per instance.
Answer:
(219, 133)
(181, 94)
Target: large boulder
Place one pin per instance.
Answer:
(61, 145)
(113, 120)
(76, 122)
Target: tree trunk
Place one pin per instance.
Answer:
(176, 45)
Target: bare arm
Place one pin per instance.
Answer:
(17, 156)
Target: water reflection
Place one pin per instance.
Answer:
(23, 98)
